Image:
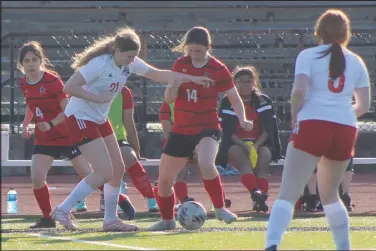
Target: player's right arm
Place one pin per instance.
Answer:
(173, 86)
(84, 76)
(165, 118)
(29, 115)
(362, 92)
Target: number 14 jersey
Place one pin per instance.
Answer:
(196, 106)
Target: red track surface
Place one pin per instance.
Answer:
(363, 192)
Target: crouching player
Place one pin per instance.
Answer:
(250, 151)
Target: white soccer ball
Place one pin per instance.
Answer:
(191, 215)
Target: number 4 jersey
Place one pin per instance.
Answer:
(102, 76)
(43, 99)
(328, 99)
(196, 106)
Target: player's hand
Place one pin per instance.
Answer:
(26, 132)
(203, 81)
(105, 98)
(43, 126)
(247, 125)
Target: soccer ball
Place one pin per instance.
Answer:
(191, 215)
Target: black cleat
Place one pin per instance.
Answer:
(44, 223)
(310, 202)
(346, 199)
(259, 197)
(188, 199)
(271, 248)
(227, 203)
(128, 209)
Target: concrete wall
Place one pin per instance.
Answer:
(151, 143)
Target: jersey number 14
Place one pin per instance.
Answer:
(192, 95)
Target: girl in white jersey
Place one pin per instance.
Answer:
(102, 71)
(324, 126)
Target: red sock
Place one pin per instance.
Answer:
(166, 206)
(249, 181)
(263, 184)
(181, 191)
(141, 180)
(43, 198)
(215, 190)
(101, 188)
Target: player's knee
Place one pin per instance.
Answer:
(129, 156)
(165, 187)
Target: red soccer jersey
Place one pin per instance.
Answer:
(165, 112)
(43, 99)
(196, 106)
(127, 98)
(251, 114)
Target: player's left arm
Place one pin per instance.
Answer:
(57, 90)
(140, 67)
(128, 121)
(301, 84)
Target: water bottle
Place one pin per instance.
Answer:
(123, 190)
(12, 207)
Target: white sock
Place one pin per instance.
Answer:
(79, 193)
(279, 221)
(338, 220)
(111, 198)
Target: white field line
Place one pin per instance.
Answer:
(90, 242)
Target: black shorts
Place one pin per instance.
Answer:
(123, 142)
(58, 152)
(180, 145)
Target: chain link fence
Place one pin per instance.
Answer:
(273, 53)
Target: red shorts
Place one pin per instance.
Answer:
(81, 130)
(323, 138)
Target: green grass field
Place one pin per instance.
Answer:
(246, 233)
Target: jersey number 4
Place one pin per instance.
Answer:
(192, 95)
(336, 85)
(38, 112)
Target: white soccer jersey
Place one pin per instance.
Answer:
(102, 75)
(326, 100)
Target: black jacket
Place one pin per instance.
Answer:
(264, 107)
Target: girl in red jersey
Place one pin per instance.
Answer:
(324, 126)
(196, 127)
(46, 101)
(250, 152)
(102, 70)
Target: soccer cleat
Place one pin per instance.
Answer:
(81, 207)
(64, 218)
(227, 203)
(163, 225)
(152, 205)
(44, 223)
(118, 226)
(346, 199)
(128, 209)
(271, 248)
(225, 215)
(259, 198)
(310, 202)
